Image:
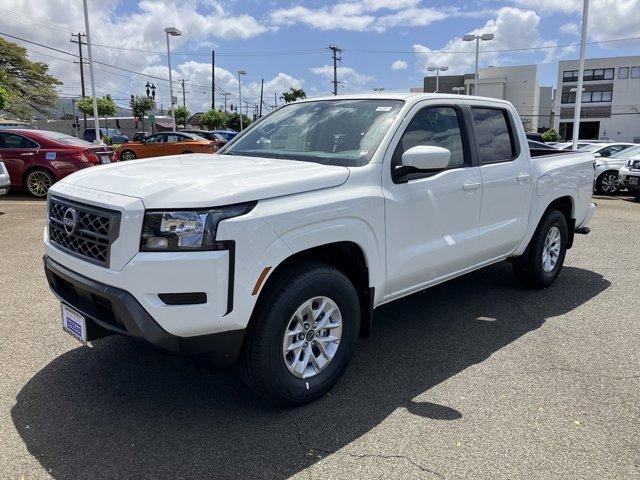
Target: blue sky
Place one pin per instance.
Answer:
(285, 42)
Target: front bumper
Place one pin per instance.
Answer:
(625, 175)
(110, 310)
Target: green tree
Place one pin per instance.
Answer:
(550, 136)
(4, 98)
(29, 87)
(233, 122)
(141, 106)
(106, 108)
(293, 94)
(214, 119)
(181, 114)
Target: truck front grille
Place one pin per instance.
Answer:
(83, 230)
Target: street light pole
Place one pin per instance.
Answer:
(240, 73)
(470, 38)
(174, 32)
(98, 139)
(437, 70)
(583, 47)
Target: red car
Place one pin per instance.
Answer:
(36, 159)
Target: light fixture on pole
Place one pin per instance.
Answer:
(437, 70)
(583, 47)
(470, 38)
(458, 90)
(378, 89)
(240, 73)
(98, 138)
(173, 32)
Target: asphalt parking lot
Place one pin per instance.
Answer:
(476, 378)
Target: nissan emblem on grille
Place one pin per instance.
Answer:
(70, 220)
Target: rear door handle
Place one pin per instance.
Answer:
(27, 154)
(521, 177)
(471, 186)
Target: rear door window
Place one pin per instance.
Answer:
(494, 135)
(11, 140)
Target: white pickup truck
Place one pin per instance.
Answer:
(275, 251)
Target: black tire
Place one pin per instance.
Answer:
(636, 195)
(127, 155)
(261, 362)
(38, 181)
(186, 152)
(529, 269)
(607, 183)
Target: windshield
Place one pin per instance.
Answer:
(628, 152)
(113, 131)
(65, 139)
(334, 132)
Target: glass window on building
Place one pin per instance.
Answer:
(623, 73)
(607, 96)
(635, 72)
(608, 73)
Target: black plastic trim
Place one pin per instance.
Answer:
(135, 320)
(187, 298)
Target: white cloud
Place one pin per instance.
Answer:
(360, 15)
(399, 65)
(569, 28)
(349, 78)
(513, 29)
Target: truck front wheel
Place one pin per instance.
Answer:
(541, 264)
(302, 334)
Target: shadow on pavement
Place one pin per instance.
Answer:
(121, 411)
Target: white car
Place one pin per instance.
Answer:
(608, 162)
(630, 175)
(5, 181)
(275, 253)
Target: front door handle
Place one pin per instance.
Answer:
(521, 177)
(471, 186)
(27, 154)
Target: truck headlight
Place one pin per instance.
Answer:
(186, 230)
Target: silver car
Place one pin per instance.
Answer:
(5, 182)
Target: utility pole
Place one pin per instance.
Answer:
(184, 98)
(81, 62)
(335, 51)
(275, 100)
(213, 80)
(578, 102)
(225, 95)
(92, 77)
(261, 93)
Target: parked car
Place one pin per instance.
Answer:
(162, 144)
(276, 253)
(228, 135)
(5, 181)
(36, 159)
(569, 145)
(214, 137)
(114, 134)
(607, 168)
(606, 176)
(139, 136)
(629, 175)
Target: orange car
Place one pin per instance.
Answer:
(161, 144)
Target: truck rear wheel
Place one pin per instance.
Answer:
(302, 334)
(541, 264)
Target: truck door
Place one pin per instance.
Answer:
(431, 216)
(506, 179)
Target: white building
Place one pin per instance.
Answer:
(610, 99)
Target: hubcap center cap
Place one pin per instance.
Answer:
(310, 335)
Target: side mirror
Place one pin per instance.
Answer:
(426, 157)
(597, 155)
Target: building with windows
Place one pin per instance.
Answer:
(610, 99)
(516, 84)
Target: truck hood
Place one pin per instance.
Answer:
(204, 180)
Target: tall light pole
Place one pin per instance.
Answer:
(378, 89)
(437, 70)
(98, 139)
(470, 38)
(583, 47)
(240, 73)
(173, 32)
(458, 90)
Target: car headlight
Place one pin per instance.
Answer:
(186, 230)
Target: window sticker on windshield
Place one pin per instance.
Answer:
(50, 156)
(383, 109)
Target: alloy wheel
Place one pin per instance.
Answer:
(551, 249)
(609, 183)
(312, 337)
(38, 183)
